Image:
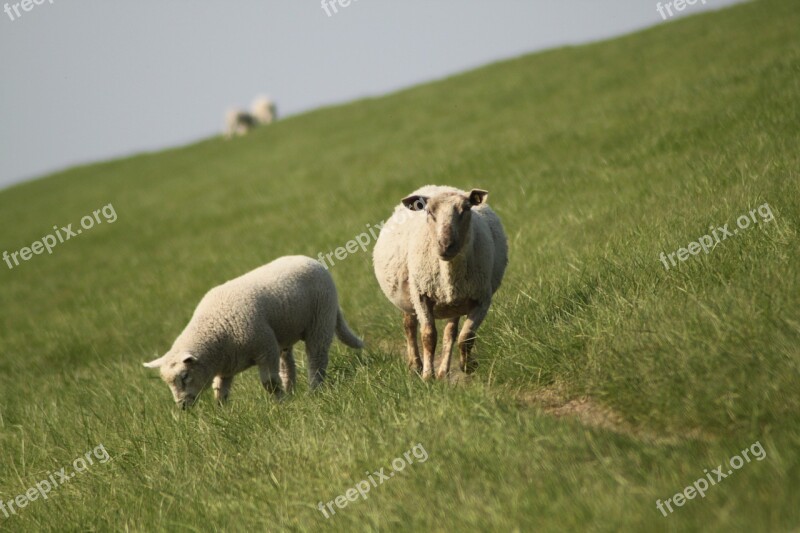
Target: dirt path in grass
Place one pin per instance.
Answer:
(554, 400)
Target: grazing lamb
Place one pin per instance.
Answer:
(442, 254)
(238, 122)
(264, 110)
(255, 319)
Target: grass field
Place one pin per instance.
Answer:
(606, 382)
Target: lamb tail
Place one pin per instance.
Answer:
(345, 334)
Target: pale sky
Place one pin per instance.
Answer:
(92, 80)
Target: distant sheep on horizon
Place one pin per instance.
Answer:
(264, 110)
(239, 122)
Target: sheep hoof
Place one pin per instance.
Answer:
(427, 376)
(441, 374)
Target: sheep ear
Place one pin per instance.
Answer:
(478, 196)
(415, 202)
(189, 359)
(155, 363)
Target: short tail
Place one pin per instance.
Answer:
(345, 334)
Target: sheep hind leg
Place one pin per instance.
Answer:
(411, 325)
(288, 370)
(466, 339)
(449, 338)
(318, 360)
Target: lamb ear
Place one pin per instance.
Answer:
(155, 363)
(478, 196)
(189, 359)
(415, 202)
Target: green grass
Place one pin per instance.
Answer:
(598, 158)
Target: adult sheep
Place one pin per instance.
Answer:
(238, 122)
(441, 255)
(255, 320)
(264, 110)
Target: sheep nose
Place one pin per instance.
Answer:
(448, 250)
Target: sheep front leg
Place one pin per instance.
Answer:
(450, 331)
(429, 336)
(288, 370)
(270, 376)
(268, 362)
(222, 388)
(466, 340)
(410, 325)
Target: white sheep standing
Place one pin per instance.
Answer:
(255, 320)
(264, 110)
(238, 123)
(441, 255)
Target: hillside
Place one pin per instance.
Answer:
(607, 381)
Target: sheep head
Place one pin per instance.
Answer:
(448, 218)
(186, 379)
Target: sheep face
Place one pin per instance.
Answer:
(184, 376)
(448, 218)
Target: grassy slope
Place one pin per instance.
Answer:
(597, 158)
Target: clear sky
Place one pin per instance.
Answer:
(84, 80)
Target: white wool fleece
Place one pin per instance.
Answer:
(405, 257)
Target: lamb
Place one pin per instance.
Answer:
(264, 110)
(238, 122)
(442, 254)
(255, 320)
